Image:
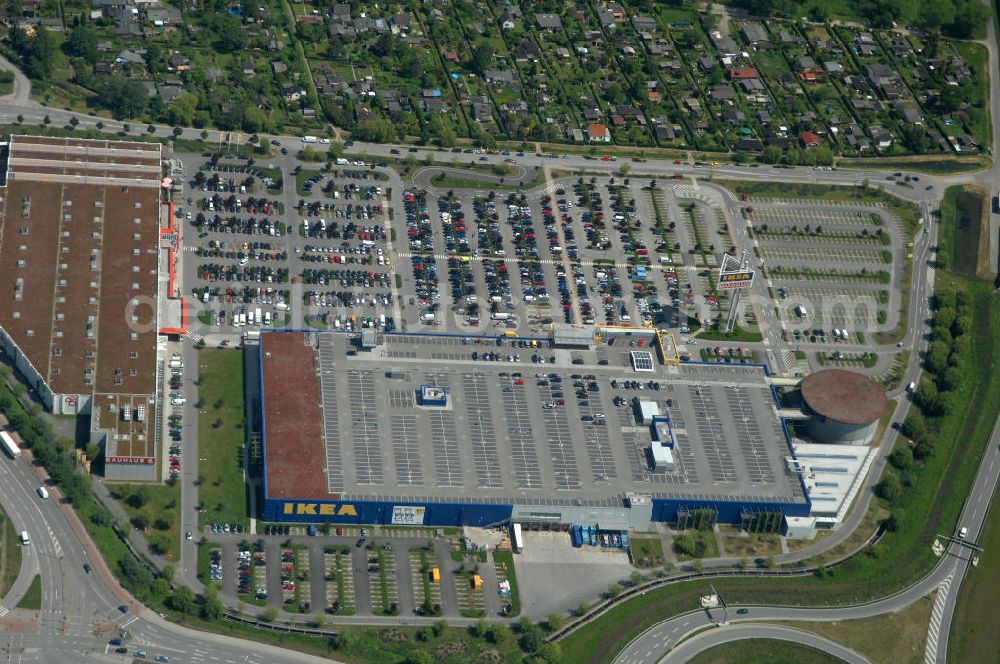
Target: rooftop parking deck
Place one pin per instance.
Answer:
(516, 431)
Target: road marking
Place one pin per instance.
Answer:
(3, 610)
(934, 628)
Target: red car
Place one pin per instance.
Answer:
(605, 158)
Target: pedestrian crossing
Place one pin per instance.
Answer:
(934, 629)
(3, 610)
(193, 336)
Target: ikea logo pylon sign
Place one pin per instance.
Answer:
(319, 509)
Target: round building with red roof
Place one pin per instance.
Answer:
(844, 406)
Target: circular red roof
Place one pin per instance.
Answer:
(844, 396)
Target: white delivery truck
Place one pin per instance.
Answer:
(258, 316)
(309, 139)
(800, 311)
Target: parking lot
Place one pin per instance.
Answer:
(832, 271)
(338, 248)
(517, 430)
(352, 574)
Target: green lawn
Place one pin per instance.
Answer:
(300, 181)
(646, 552)
(444, 181)
(222, 490)
(156, 511)
(763, 651)
(33, 598)
(10, 554)
(928, 166)
(515, 594)
(738, 334)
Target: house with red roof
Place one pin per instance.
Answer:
(810, 140)
(599, 133)
(742, 73)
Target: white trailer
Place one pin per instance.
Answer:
(517, 538)
(9, 446)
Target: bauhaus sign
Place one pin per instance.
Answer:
(148, 461)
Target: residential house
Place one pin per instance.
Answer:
(510, 17)
(163, 16)
(740, 73)
(598, 133)
(664, 131)
(550, 22)
(790, 38)
(910, 114)
(527, 51)
(809, 139)
(128, 57)
(168, 93)
(501, 76)
(482, 111)
(606, 18)
(733, 116)
(806, 63)
(833, 67)
(749, 145)
(756, 35)
(643, 24)
(279, 68)
(881, 136)
(722, 92)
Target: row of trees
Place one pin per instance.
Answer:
(946, 366)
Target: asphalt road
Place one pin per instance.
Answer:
(80, 611)
(717, 637)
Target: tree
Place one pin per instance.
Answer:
(902, 457)
(439, 627)
(531, 640)
(482, 59)
(182, 600)
(890, 488)
(419, 657)
(914, 426)
(211, 605)
(82, 42)
(554, 622)
(229, 34)
(39, 53)
(269, 614)
(125, 98)
(549, 653)
(614, 590)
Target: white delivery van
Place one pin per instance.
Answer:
(25, 539)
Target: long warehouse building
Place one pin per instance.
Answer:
(79, 249)
(450, 431)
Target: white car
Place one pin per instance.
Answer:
(325, 141)
(177, 401)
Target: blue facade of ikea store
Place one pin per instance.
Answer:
(372, 512)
